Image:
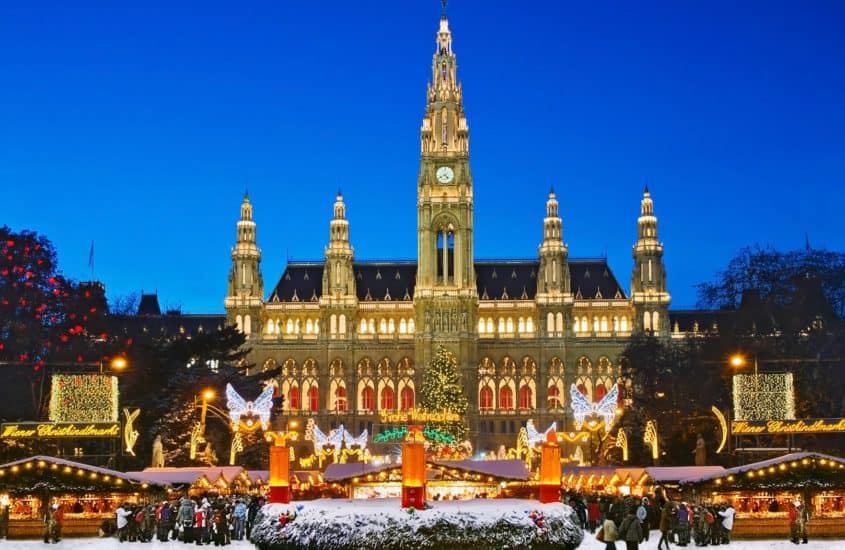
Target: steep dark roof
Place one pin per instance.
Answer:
(496, 280)
(149, 305)
(592, 279)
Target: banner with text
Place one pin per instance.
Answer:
(31, 430)
(798, 426)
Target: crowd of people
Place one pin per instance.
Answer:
(215, 521)
(631, 520)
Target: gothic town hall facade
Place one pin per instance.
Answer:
(353, 337)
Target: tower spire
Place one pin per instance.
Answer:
(648, 280)
(246, 285)
(443, 9)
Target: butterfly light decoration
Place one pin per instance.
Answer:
(534, 437)
(606, 408)
(240, 407)
(350, 441)
(321, 440)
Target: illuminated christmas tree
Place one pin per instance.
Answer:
(443, 391)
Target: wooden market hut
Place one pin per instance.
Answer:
(200, 480)
(88, 494)
(633, 481)
(762, 492)
(446, 479)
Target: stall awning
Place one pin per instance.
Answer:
(59, 474)
(191, 475)
(790, 470)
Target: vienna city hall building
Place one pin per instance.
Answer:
(354, 337)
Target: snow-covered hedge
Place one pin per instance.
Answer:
(337, 524)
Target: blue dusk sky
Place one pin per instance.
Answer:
(138, 125)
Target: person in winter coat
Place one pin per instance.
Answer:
(727, 516)
(665, 523)
(642, 516)
(631, 531)
(239, 519)
(185, 519)
(684, 515)
(797, 523)
(593, 514)
(121, 516)
(163, 521)
(610, 534)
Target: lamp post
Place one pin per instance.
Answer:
(738, 361)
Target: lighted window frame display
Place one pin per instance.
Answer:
(84, 398)
(764, 396)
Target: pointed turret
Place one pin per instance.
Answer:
(554, 268)
(338, 279)
(246, 285)
(648, 280)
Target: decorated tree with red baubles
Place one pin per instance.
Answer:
(47, 322)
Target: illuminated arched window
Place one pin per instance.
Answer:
(646, 320)
(314, 398)
(340, 398)
(655, 321)
(367, 398)
(490, 325)
(480, 326)
(603, 324)
(406, 398)
(501, 325)
(341, 325)
(362, 328)
(506, 398)
(403, 326)
(509, 325)
(559, 322)
(411, 326)
(520, 325)
(525, 397)
(387, 399)
(382, 326)
(529, 325)
(293, 398)
(485, 398)
(554, 401)
(623, 324)
(550, 322)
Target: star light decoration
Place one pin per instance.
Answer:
(606, 408)
(766, 396)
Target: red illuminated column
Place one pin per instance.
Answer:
(550, 470)
(279, 473)
(413, 469)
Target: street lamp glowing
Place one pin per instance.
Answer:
(737, 360)
(119, 363)
(208, 395)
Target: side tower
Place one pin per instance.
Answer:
(245, 298)
(338, 300)
(554, 295)
(649, 297)
(445, 295)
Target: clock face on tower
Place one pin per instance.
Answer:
(445, 174)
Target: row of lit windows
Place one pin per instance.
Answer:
(293, 326)
(600, 324)
(388, 400)
(506, 325)
(386, 326)
(525, 397)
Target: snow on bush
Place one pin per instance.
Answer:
(336, 524)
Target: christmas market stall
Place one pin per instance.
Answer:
(88, 495)
(445, 480)
(762, 493)
(630, 480)
(198, 481)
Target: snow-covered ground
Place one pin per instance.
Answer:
(590, 543)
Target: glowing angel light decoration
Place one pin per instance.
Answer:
(238, 406)
(536, 438)
(606, 408)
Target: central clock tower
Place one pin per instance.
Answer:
(445, 296)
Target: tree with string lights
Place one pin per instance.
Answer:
(443, 391)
